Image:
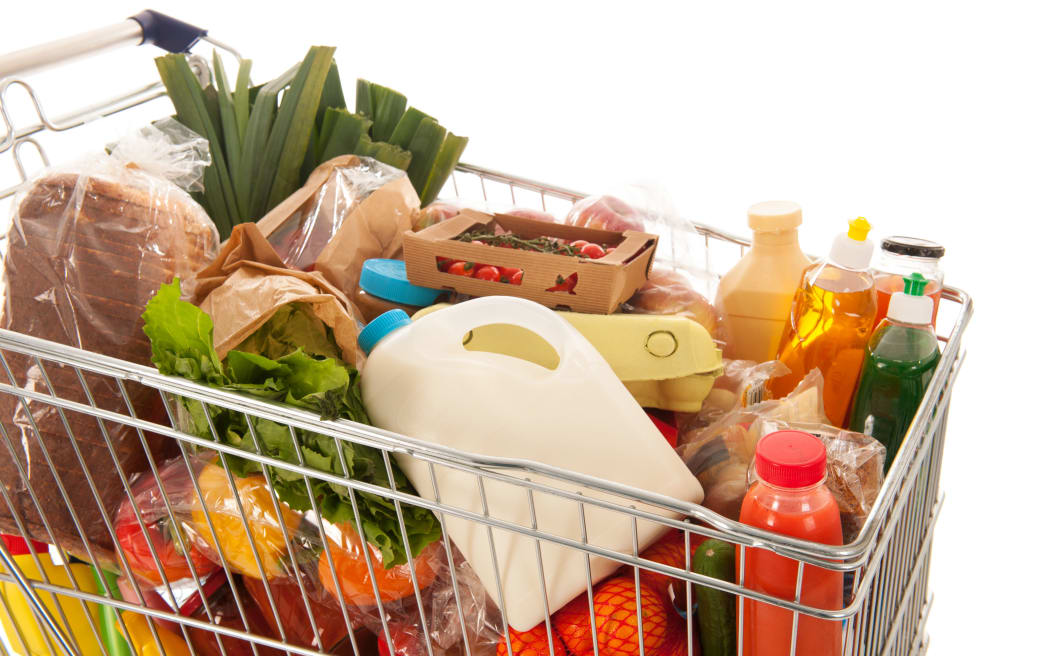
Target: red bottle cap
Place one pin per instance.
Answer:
(790, 459)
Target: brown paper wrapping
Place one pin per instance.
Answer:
(372, 228)
(247, 283)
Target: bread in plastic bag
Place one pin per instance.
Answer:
(854, 466)
(741, 384)
(351, 209)
(719, 454)
(89, 245)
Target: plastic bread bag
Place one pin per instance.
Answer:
(678, 283)
(351, 209)
(854, 465)
(719, 454)
(88, 246)
(742, 383)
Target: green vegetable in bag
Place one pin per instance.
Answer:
(290, 359)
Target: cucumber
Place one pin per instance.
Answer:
(716, 612)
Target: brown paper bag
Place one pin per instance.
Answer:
(247, 283)
(327, 226)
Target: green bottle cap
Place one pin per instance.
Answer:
(914, 284)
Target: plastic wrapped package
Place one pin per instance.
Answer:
(678, 282)
(351, 209)
(225, 613)
(479, 625)
(332, 635)
(442, 210)
(855, 469)
(90, 243)
(719, 454)
(742, 383)
(153, 529)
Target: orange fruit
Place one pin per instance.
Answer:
(616, 619)
(668, 550)
(532, 642)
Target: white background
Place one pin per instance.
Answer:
(931, 119)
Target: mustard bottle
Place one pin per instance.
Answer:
(755, 296)
(25, 633)
(832, 317)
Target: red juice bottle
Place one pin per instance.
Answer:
(790, 498)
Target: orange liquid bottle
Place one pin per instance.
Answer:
(790, 498)
(831, 321)
(900, 256)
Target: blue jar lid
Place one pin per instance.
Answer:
(380, 327)
(387, 280)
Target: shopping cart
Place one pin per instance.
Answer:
(888, 600)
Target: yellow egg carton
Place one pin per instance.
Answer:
(667, 362)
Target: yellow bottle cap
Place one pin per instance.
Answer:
(858, 229)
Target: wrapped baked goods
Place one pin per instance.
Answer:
(720, 453)
(351, 209)
(90, 243)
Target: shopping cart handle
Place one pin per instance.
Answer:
(166, 32)
(146, 27)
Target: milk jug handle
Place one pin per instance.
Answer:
(488, 310)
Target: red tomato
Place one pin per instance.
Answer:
(487, 272)
(506, 274)
(461, 268)
(478, 242)
(593, 251)
(579, 244)
(563, 284)
(517, 277)
(135, 543)
(443, 263)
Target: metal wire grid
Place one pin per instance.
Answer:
(889, 561)
(898, 587)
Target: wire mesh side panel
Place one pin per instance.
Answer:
(226, 570)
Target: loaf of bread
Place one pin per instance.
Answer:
(85, 252)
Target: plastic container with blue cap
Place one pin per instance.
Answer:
(384, 286)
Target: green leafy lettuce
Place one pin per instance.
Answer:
(291, 359)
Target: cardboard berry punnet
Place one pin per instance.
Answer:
(579, 284)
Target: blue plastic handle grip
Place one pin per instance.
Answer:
(166, 32)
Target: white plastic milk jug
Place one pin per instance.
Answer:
(420, 381)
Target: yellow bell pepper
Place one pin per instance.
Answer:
(263, 522)
(142, 641)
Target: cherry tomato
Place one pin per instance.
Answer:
(443, 263)
(517, 277)
(478, 242)
(487, 272)
(264, 526)
(461, 268)
(593, 251)
(506, 274)
(579, 244)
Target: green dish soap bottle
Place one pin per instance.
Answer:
(900, 359)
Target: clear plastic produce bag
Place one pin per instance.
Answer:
(719, 454)
(678, 281)
(89, 245)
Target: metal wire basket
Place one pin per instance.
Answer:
(884, 610)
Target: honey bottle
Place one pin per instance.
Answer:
(832, 317)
